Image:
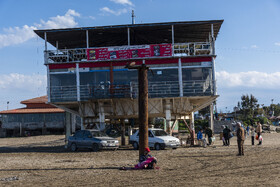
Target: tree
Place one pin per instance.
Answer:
(249, 106)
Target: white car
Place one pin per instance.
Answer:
(158, 139)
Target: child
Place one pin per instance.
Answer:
(253, 134)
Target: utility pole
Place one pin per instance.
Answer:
(143, 108)
(142, 104)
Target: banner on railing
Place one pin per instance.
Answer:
(139, 51)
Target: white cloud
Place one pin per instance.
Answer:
(250, 79)
(28, 83)
(277, 43)
(254, 46)
(110, 11)
(123, 2)
(17, 35)
(66, 21)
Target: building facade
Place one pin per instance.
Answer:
(36, 118)
(88, 74)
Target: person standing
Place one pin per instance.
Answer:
(253, 135)
(240, 133)
(259, 131)
(209, 134)
(226, 133)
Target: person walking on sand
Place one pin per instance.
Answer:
(240, 133)
(253, 133)
(259, 131)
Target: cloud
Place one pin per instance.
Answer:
(123, 2)
(106, 10)
(28, 83)
(251, 79)
(18, 35)
(277, 43)
(254, 46)
(66, 21)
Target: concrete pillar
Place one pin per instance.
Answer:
(168, 116)
(192, 127)
(211, 117)
(73, 123)
(82, 123)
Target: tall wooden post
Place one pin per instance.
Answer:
(143, 108)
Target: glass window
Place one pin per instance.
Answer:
(79, 134)
(162, 75)
(68, 79)
(98, 134)
(159, 133)
(196, 73)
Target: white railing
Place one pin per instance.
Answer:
(130, 90)
(80, 55)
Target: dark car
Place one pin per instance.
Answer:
(92, 139)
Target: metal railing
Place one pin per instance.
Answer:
(130, 90)
(80, 54)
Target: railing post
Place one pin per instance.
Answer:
(180, 76)
(48, 84)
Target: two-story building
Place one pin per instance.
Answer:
(87, 74)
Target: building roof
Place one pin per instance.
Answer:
(42, 108)
(36, 100)
(116, 35)
(32, 111)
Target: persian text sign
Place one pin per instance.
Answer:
(139, 51)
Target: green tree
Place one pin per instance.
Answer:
(249, 105)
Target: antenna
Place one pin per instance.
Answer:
(133, 16)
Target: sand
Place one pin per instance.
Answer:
(43, 161)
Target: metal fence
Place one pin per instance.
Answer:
(130, 90)
(80, 54)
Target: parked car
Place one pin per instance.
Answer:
(92, 139)
(158, 139)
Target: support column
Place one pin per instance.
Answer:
(143, 108)
(192, 127)
(82, 123)
(211, 118)
(123, 133)
(49, 84)
(168, 116)
(180, 76)
(78, 82)
(73, 123)
(128, 36)
(87, 38)
(67, 127)
(101, 116)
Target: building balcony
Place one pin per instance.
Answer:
(130, 90)
(119, 53)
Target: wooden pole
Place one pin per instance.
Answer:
(143, 108)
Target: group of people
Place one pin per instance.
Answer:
(240, 134)
(146, 161)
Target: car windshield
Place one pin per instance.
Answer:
(159, 133)
(98, 134)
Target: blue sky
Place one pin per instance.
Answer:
(247, 47)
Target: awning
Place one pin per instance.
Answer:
(117, 35)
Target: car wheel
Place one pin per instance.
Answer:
(157, 146)
(73, 147)
(135, 145)
(95, 147)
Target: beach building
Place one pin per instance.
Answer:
(36, 118)
(88, 75)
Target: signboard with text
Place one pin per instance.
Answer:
(128, 52)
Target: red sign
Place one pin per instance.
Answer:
(139, 51)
